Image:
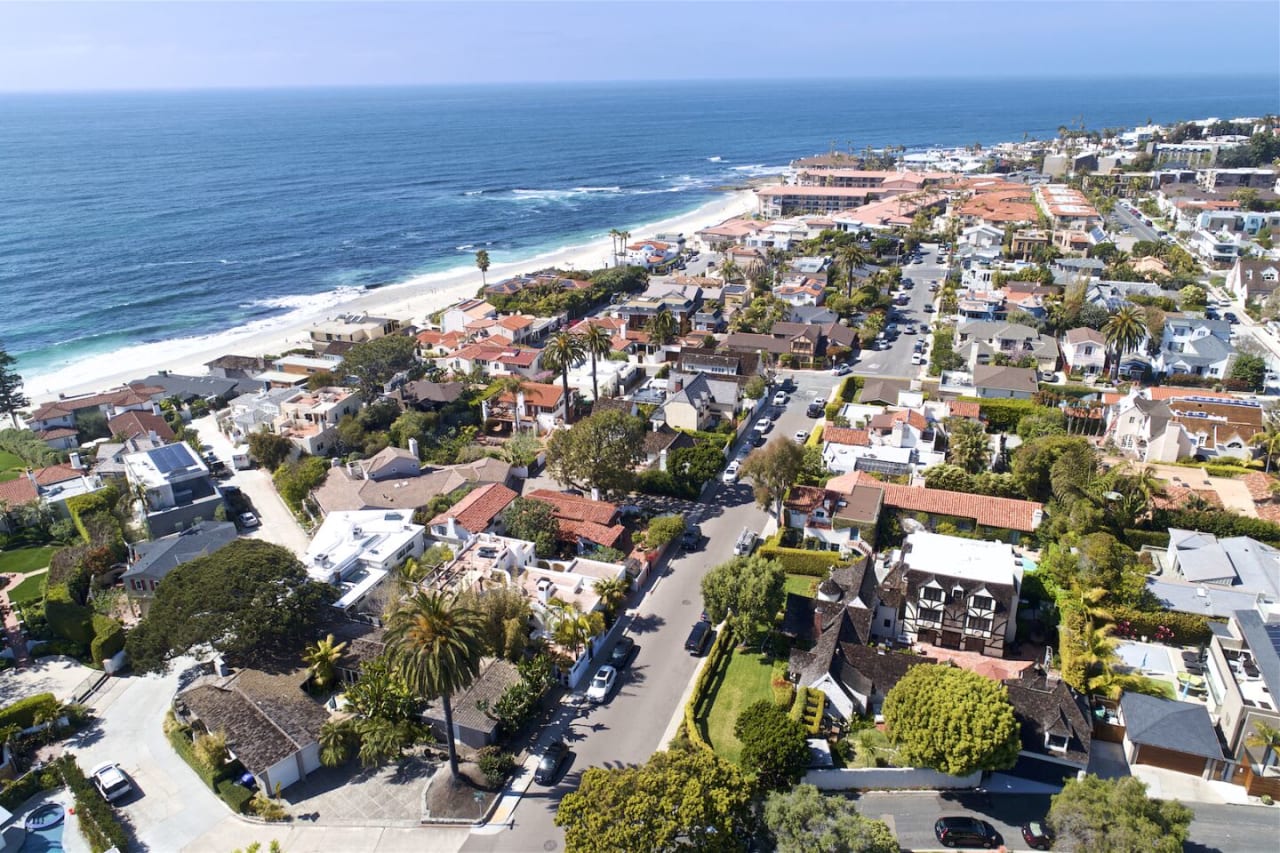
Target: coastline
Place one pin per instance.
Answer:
(410, 300)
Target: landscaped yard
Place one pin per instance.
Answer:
(746, 680)
(30, 590)
(11, 467)
(801, 585)
(22, 560)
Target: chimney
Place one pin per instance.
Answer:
(76, 463)
(678, 386)
(155, 438)
(451, 528)
(155, 409)
(545, 588)
(31, 475)
(413, 448)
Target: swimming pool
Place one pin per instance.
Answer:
(44, 829)
(1146, 658)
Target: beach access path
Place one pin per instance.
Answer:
(413, 300)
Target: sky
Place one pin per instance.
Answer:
(51, 46)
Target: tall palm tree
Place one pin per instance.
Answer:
(1124, 331)
(321, 658)
(851, 257)
(661, 327)
(482, 261)
(1267, 737)
(563, 351)
(614, 236)
(612, 592)
(515, 385)
(573, 628)
(1269, 441)
(598, 343)
(729, 270)
(436, 645)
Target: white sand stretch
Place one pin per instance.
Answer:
(411, 300)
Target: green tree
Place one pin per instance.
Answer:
(269, 449)
(436, 647)
(572, 627)
(338, 740)
(694, 466)
(1117, 816)
(513, 385)
(1125, 331)
(663, 529)
(1269, 441)
(381, 692)
(613, 592)
(1033, 462)
(967, 445)
(662, 328)
(321, 658)
(952, 720)
(295, 480)
(374, 362)
(12, 399)
(755, 388)
(482, 262)
(678, 800)
(1266, 738)
(805, 820)
(746, 590)
(563, 352)
(773, 470)
(599, 452)
(774, 750)
(533, 521)
(598, 343)
(851, 257)
(1037, 424)
(249, 600)
(1192, 298)
(506, 620)
(1250, 369)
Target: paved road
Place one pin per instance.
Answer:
(896, 361)
(1138, 230)
(631, 726)
(910, 814)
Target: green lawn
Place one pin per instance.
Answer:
(30, 590)
(801, 585)
(22, 560)
(745, 681)
(11, 467)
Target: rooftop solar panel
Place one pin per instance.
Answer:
(171, 457)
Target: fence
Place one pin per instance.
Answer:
(888, 778)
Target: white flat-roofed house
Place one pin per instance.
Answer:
(310, 418)
(357, 550)
(340, 333)
(174, 485)
(456, 317)
(651, 253)
(953, 592)
(254, 412)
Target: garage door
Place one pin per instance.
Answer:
(284, 774)
(1170, 760)
(1047, 772)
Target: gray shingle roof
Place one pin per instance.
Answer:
(157, 558)
(1177, 726)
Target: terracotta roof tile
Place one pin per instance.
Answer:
(964, 409)
(479, 508)
(844, 435)
(130, 424)
(1259, 485)
(1005, 513)
(573, 508)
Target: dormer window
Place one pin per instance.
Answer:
(1056, 743)
(931, 593)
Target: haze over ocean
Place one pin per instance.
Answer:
(138, 217)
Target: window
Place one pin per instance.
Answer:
(887, 623)
(931, 616)
(974, 623)
(983, 602)
(931, 593)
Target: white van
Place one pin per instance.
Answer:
(746, 542)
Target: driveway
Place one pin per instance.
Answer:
(277, 523)
(61, 676)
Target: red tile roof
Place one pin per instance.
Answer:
(130, 424)
(844, 435)
(1259, 485)
(539, 394)
(479, 508)
(128, 396)
(573, 508)
(1176, 497)
(15, 493)
(1005, 513)
(964, 409)
(609, 537)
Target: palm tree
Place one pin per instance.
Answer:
(598, 343)
(1125, 330)
(851, 257)
(1269, 441)
(614, 236)
(482, 261)
(1267, 737)
(337, 739)
(563, 351)
(729, 270)
(612, 592)
(322, 657)
(436, 645)
(515, 385)
(572, 628)
(661, 328)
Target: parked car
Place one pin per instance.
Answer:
(965, 832)
(757, 438)
(731, 473)
(786, 385)
(780, 399)
(620, 656)
(1037, 835)
(764, 424)
(699, 637)
(691, 539)
(111, 782)
(801, 436)
(248, 519)
(928, 308)
(746, 542)
(602, 684)
(841, 370)
(550, 763)
(917, 357)
(815, 409)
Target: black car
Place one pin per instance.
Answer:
(1231, 318)
(815, 409)
(550, 763)
(786, 385)
(621, 653)
(1037, 835)
(691, 538)
(698, 638)
(965, 832)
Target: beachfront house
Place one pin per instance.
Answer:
(339, 334)
(310, 418)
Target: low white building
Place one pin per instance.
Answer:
(357, 550)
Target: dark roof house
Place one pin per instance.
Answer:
(150, 562)
(471, 724)
(1164, 733)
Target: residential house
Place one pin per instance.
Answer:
(539, 403)
(339, 334)
(680, 300)
(456, 317)
(61, 413)
(473, 724)
(1085, 351)
(955, 593)
(547, 280)
(982, 236)
(981, 342)
(132, 423)
(697, 402)
(236, 366)
(310, 418)
(356, 552)
(1217, 247)
(1195, 346)
(782, 234)
(846, 450)
(479, 512)
(1056, 727)
(889, 213)
(174, 485)
(427, 396)
(1018, 383)
(51, 487)
(843, 522)
(1212, 565)
(801, 290)
(403, 484)
(1173, 735)
(151, 561)
(651, 254)
(1231, 179)
(1027, 243)
(1241, 679)
(584, 523)
(660, 441)
(728, 233)
(271, 723)
(305, 365)
(254, 412)
(495, 359)
(1253, 280)
(188, 388)
(997, 208)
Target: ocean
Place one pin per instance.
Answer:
(140, 217)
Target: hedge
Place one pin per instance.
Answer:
(1135, 539)
(718, 439)
(16, 792)
(23, 713)
(693, 708)
(1004, 415)
(1220, 524)
(66, 618)
(1188, 629)
(813, 719)
(797, 707)
(98, 821)
(108, 638)
(851, 387)
(798, 561)
(235, 795)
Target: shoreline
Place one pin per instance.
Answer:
(410, 300)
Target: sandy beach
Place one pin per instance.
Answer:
(411, 301)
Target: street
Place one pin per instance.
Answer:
(1138, 230)
(633, 724)
(896, 361)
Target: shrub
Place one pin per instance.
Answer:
(797, 561)
(496, 764)
(663, 529)
(1135, 539)
(797, 707)
(1184, 629)
(235, 795)
(267, 808)
(98, 821)
(1004, 415)
(16, 792)
(701, 688)
(108, 638)
(1219, 523)
(67, 618)
(23, 713)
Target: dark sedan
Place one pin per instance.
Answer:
(621, 653)
(550, 763)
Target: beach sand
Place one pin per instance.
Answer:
(409, 301)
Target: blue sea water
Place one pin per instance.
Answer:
(130, 218)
